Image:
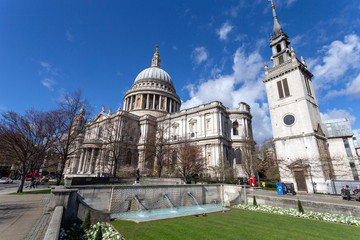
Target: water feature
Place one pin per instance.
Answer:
(168, 200)
(193, 199)
(139, 203)
(143, 214)
(155, 214)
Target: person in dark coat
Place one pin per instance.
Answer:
(346, 193)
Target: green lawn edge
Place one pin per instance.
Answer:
(236, 224)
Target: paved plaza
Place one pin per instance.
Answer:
(23, 216)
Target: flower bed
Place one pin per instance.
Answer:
(76, 232)
(327, 217)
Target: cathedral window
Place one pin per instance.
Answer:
(307, 83)
(174, 157)
(235, 128)
(238, 156)
(100, 132)
(283, 88)
(281, 59)
(278, 48)
(128, 158)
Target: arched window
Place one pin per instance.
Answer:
(238, 156)
(235, 128)
(128, 158)
(100, 132)
(174, 157)
(278, 48)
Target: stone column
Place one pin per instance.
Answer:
(160, 102)
(141, 100)
(97, 163)
(91, 160)
(102, 161)
(154, 96)
(124, 104)
(80, 161)
(147, 101)
(84, 161)
(170, 105)
(131, 102)
(166, 108)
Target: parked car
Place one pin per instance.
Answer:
(5, 180)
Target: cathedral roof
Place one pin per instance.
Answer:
(155, 72)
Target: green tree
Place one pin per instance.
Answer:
(300, 207)
(87, 222)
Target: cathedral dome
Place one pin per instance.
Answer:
(153, 92)
(154, 73)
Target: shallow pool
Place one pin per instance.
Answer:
(156, 214)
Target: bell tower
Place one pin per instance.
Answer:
(300, 144)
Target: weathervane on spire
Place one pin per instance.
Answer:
(156, 59)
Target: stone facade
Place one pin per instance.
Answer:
(306, 156)
(152, 103)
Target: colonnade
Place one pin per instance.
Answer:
(151, 102)
(91, 161)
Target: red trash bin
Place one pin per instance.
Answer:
(253, 182)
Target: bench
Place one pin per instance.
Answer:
(352, 197)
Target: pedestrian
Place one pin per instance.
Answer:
(346, 193)
(32, 183)
(36, 183)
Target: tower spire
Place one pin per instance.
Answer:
(156, 59)
(277, 29)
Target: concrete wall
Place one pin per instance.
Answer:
(307, 205)
(119, 198)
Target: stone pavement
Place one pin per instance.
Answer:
(310, 197)
(24, 216)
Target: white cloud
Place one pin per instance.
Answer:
(69, 36)
(48, 69)
(357, 134)
(174, 48)
(47, 82)
(199, 55)
(352, 89)
(339, 57)
(289, 2)
(336, 114)
(224, 31)
(244, 84)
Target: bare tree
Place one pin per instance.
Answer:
(26, 139)
(158, 147)
(115, 141)
(70, 125)
(190, 160)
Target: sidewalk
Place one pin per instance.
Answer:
(23, 216)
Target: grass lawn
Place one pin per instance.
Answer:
(41, 191)
(236, 224)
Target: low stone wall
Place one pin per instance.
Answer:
(283, 201)
(161, 181)
(81, 181)
(53, 230)
(120, 198)
(95, 215)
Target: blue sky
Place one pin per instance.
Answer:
(213, 50)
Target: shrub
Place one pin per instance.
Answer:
(300, 208)
(98, 235)
(87, 222)
(254, 201)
